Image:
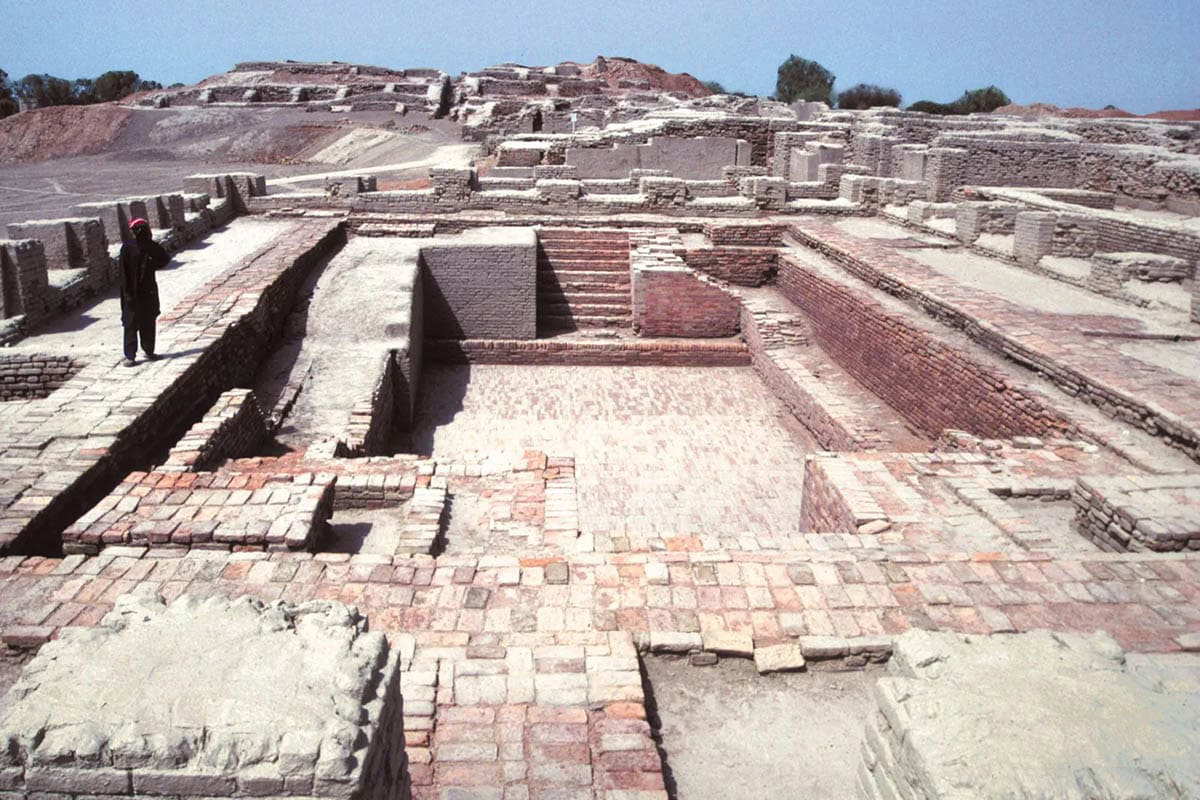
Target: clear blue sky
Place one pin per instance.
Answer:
(1141, 55)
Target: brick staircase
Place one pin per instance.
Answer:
(583, 280)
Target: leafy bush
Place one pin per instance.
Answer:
(714, 87)
(972, 101)
(8, 103)
(39, 91)
(986, 99)
(930, 107)
(868, 95)
(801, 79)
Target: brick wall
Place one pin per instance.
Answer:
(671, 300)
(232, 428)
(811, 402)
(823, 508)
(482, 291)
(931, 384)
(757, 234)
(369, 429)
(741, 266)
(34, 375)
(677, 302)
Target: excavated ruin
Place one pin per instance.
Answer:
(645, 441)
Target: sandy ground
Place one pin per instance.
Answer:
(1035, 292)
(1056, 518)
(729, 732)
(158, 148)
(94, 330)
(361, 530)
(1180, 357)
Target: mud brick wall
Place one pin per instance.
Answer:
(741, 266)
(656, 353)
(1001, 162)
(1155, 512)
(823, 508)
(819, 410)
(973, 219)
(767, 234)
(24, 285)
(933, 385)
(1074, 235)
(678, 302)
(232, 428)
(25, 376)
(371, 421)
(1148, 177)
(481, 291)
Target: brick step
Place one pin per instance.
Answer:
(580, 250)
(580, 236)
(584, 279)
(584, 297)
(559, 308)
(585, 265)
(575, 321)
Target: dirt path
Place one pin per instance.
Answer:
(729, 732)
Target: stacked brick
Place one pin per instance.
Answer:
(1155, 512)
(422, 520)
(669, 299)
(746, 234)
(741, 266)
(836, 500)
(933, 385)
(209, 511)
(27, 376)
(232, 428)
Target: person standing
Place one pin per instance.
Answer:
(139, 260)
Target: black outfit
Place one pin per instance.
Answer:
(139, 292)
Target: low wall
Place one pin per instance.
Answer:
(234, 427)
(28, 376)
(669, 299)
(805, 395)
(482, 288)
(756, 234)
(933, 385)
(741, 266)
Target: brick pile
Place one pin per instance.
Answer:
(1155, 512)
(207, 510)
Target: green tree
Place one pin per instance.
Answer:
(868, 95)
(39, 91)
(8, 102)
(715, 87)
(930, 107)
(801, 79)
(115, 84)
(989, 98)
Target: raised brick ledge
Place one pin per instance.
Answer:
(647, 352)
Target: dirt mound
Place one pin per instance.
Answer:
(1033, 110)
(59, 131)
(1182, 115)
(626, 74)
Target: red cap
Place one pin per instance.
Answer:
(137, 223)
